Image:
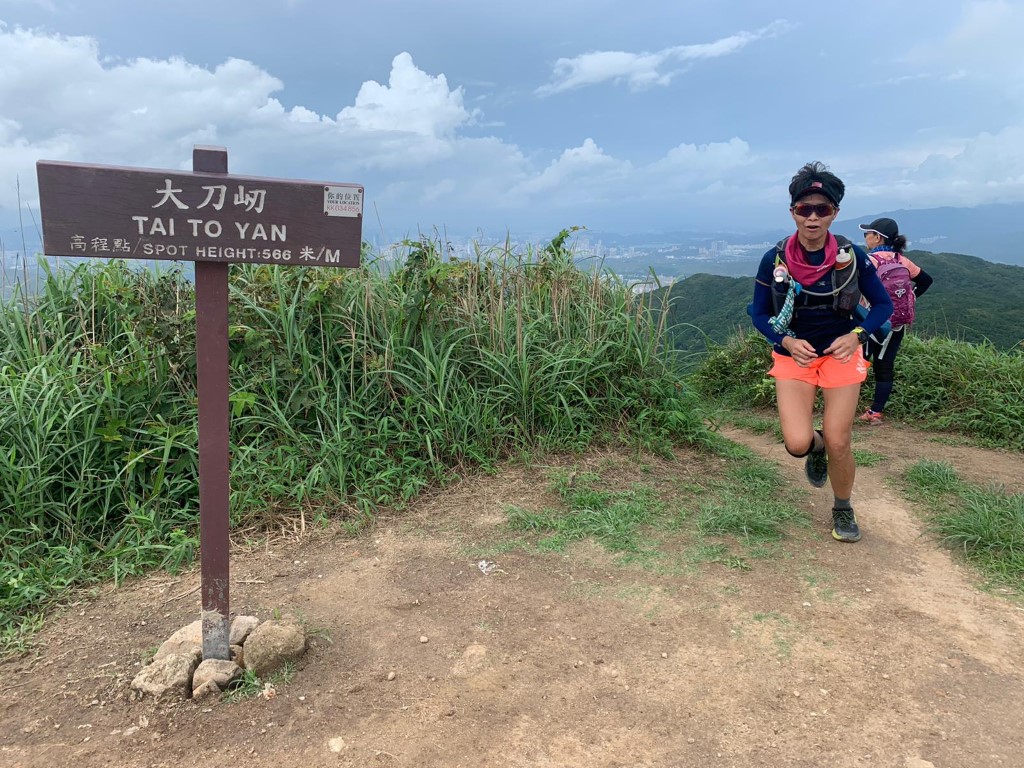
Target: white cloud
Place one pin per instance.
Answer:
(644, 70)
(900, 79)
(690, 172)
(440, 190)
(65, 98)
(583, 170)
(412, 101)
(414, 143)
(989, 168)
(715, 157)
(64, 101)
(965, 172)
(405, 140)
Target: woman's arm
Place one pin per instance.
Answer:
(922, 282)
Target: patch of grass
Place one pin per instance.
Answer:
(751, 502)
(320, 633)
(732, 493)
(814, 576)
(753, 421)
(250, 685)
(707, 552)
(986, 525)
(736, 563)
(610, 517)
(818, 580)
(866, 458)
(783, 646)
(671, 521)
(717, 553)
(655, 561)
(766, 551)
(16, 636)
(637, 593)
(781, 629)
(588, 589)
(951, 440)
(771, 616)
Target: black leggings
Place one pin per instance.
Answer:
(883, 356)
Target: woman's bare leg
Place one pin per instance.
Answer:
(796, 414)
(840, 410)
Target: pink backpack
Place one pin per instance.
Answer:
(895, 276)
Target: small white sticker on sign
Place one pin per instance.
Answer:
(343, 201)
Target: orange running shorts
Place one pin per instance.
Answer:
(825, 372)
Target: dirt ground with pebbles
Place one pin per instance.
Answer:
(883, 653)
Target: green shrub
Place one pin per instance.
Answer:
(735, 374)
(349, 389)
(969, 388)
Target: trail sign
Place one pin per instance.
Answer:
(93, 210)
(215, 220)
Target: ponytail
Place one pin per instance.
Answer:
(898, 243)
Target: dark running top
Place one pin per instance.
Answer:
(816, 322)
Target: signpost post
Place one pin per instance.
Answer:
(214, 220)
(212, 390)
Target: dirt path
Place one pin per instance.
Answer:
(883, 653)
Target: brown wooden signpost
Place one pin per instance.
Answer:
(213, 219)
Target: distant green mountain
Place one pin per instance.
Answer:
(705, 308)
(971, 300)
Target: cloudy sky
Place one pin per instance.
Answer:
(534, 115)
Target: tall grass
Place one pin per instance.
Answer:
(349, 389)
(972, 389)
(984, 524)
(97, 447)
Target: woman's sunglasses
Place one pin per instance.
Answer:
(806, 209)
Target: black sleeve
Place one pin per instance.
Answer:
(921, 283)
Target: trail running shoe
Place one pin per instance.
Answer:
(844, 526)
(874, 418)
(816, 466)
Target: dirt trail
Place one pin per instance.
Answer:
(883, 653)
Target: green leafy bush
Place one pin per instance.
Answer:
(349, 389)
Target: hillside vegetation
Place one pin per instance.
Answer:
(971, 300)
(349, 389)
(353, 389)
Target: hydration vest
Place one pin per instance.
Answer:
(845, 290)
